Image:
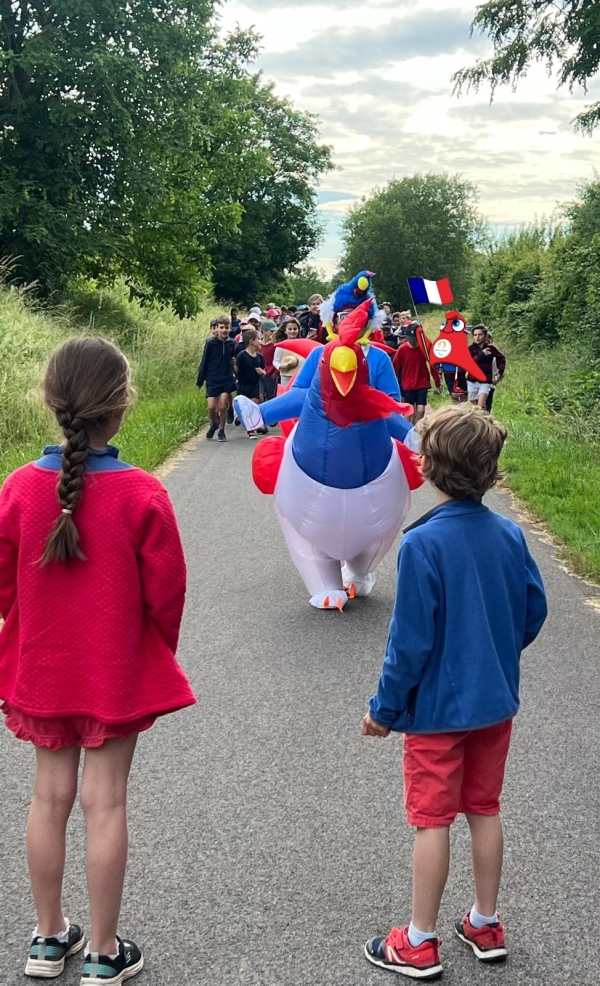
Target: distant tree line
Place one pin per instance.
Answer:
(425, 225)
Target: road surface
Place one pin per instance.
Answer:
(268, 838)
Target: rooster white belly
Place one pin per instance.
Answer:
(342, 523)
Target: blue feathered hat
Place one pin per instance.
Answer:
(345, 298)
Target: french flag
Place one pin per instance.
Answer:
(430, 292)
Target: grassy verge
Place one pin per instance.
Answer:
(552, 455)
(164, 353)
(552, 458)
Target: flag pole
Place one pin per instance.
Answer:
(414, 304)
(423, 346)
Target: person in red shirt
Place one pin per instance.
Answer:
(268, 383)
(92, 588)
(412, 370)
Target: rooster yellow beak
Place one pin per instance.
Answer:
(344, 367)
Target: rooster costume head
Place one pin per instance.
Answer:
(344, 376)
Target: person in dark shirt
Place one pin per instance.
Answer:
(250, 368)
(216, 371)
(490, 360)
(389, 337)
(312, 319)
(235, 322)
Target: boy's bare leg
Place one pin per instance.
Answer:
(431, 862)
(212, 409)
(223, 404)
(487, 846)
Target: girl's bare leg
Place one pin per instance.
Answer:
(104, 802)
(54, 792)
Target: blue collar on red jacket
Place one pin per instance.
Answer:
(97, 460)
(111, 450)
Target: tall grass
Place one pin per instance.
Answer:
(552, 456)
(164, 353)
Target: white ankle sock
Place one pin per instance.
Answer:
(417, 937)
(87, 951)
(479, 920)
(62, 936)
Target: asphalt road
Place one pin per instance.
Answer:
(268, 838)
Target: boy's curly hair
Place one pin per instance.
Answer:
(462, 445)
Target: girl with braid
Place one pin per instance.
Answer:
(92, 586)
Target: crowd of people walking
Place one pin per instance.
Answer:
(239, 357)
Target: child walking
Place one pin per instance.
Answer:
(450, 682)
(412, 370)
(250, 370)
(92, 587)
(216, 371)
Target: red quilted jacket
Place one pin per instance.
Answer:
(94, 637)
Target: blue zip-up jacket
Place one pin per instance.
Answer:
(469, 599)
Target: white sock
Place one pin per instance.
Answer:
(87, 951)
(62, 936)
(417, 937)
(479, 920)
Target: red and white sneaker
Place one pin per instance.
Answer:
(488, 943)
(398, 955)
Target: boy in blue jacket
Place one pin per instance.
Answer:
(469, 599)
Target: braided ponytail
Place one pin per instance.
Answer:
(87, 380)
(63, 540)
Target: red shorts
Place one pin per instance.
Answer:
(84, 731)
(448, 773)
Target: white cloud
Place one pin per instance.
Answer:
(378, 72)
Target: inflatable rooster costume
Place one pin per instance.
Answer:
(342, 477)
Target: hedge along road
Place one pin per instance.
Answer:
(268, 838)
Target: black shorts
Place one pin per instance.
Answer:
(220, 387)
(252, 392)
(268, 387)
(415, 397)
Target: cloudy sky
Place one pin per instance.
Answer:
(377, 73)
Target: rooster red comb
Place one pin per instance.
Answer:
(354, 325)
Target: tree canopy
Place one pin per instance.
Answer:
(562, 34)
(133, 141)
(279, 226)
(426, 225)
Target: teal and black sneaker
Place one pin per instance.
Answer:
(47, 956)
(101, 970)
